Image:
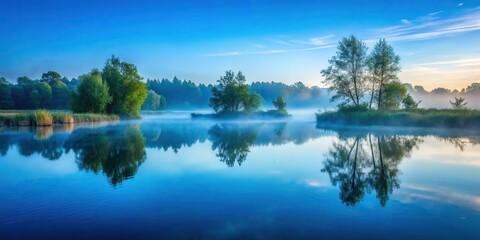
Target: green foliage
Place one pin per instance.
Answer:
(91, 95)
(135, 94)
(346, 71)
(125, 87)
(409, 103)
(393, 95)
(253, 103)
(60, 92)
(233, 95)
(449, 118)
(45, 94)
(383, 65)
(459, 103)
(51, 76)
(34, 98)
(49, 92)
(6, 101)
(154, 101)
(346, 108)
(279, 104)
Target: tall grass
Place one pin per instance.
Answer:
(63, 118)
(46, 118)
(90, 117)
(412, 118)
(43, 118)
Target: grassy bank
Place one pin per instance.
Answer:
(47, 118)
(412, 118)
(272, 114)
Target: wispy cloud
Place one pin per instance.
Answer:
(435, 13)
(411, 192)
(459, 62)
(314, 41)
(460, 4)
(432, 26)
(288, 45)
(224, 54)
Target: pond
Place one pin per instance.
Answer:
(168, 177)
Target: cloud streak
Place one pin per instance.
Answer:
(296, 45)
(460, 62)
(224, 54)
(432, 26)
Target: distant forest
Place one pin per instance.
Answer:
(440, 97)
(53, 91)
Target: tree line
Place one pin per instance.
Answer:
(51, 91)
(357, 78)
(178, 93)
(116, 89)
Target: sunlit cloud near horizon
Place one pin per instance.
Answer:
(283, 42)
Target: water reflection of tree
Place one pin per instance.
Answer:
(117, 154)
(4, 144)
(232, 142)
(461, 142)
(361, 164)
(175, 136)
(50, 148)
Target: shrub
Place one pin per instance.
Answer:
(43, 118)
(63, 118)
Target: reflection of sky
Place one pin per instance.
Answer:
(277, 187)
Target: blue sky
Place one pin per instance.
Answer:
(284, 41)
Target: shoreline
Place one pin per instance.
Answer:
(424, 118)
(33, 118)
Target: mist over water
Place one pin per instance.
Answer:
(169, 176)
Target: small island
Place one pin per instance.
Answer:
(370, 92)
(231, 99)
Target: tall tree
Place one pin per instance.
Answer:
(60, 91)
(91, 95)
(346, 73)
(383, 66)
(45, 92)
(125, 87)
(233, 95)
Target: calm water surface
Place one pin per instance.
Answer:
(167, 177)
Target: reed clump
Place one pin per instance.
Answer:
(43, 118)
(47, 118)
